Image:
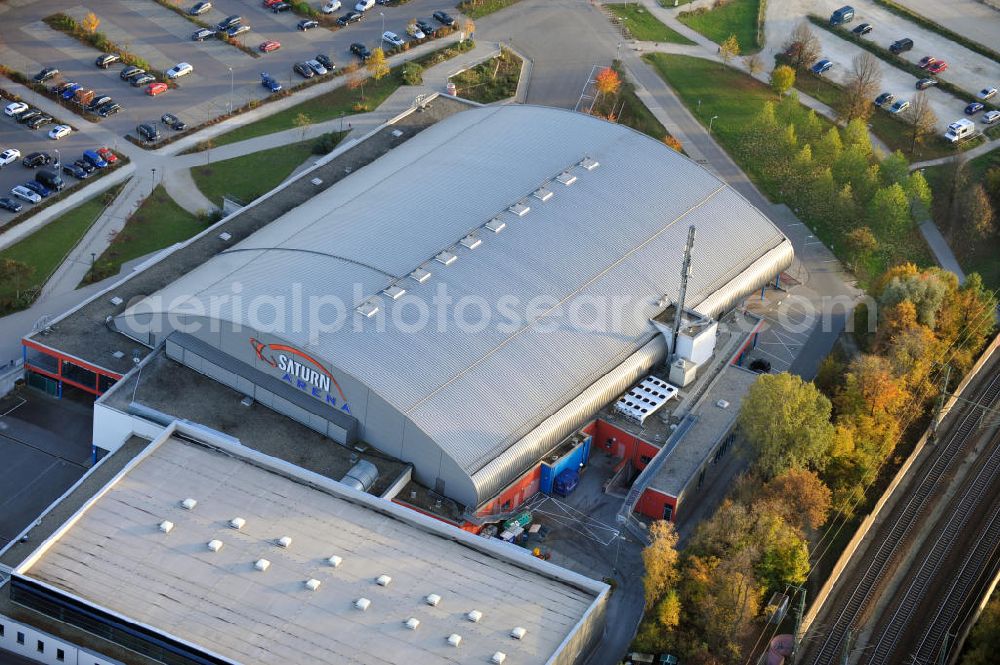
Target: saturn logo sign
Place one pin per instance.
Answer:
(302, 371)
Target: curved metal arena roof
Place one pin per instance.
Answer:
(617, 231)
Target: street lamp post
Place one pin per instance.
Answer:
(58, 164)
(382, 14)
(152, 185)
(712, 120)
(232, 85)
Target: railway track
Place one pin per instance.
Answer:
(894, 537)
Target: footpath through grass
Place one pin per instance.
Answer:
(46, 248)
(249, 176)
(772, 152)
(736, 17)
(159, 222)
(981, 255)
(644, 26)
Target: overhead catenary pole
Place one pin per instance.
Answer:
(685, 274)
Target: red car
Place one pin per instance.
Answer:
(269, 45)
(153, 89)
(937, 66)
(269, 3)
(107, 155)
(926, 62)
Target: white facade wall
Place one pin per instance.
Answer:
(32, 643)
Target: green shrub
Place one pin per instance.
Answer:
(412, 74)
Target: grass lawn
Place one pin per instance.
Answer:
(644, 26)
(630, 111)
(479, 8)
(979, 256)
(45, 249)
(249, 176)
(159, 222)
(736, 17)
(490, 81)
(737, 99)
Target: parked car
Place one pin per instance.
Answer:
(926, 62)
(317, 68)
(38, 121)
(901, 45)
(76, 171)
(899, 106)
(95, 159)
(426, 28)
(269, 82)
(303, 70)
(148, 132)
(109, 109)
(9, 156)
(973, 108)
(862, 29)
(202, 34)
(35, 159)
(46, 74)
(991, 117)
(443, 18)
(50, 179)
(97, 102)
(10, 204)
(106, 60)
(361, 51)
(28, 115)
(179, 70)
(237, 30)
(142, 79)
(414, 31)
(925, 83)
(326, 62)
(986, 93)
(269, 45)
(229, 22)
(392, 38)
(200, 8)
(822, 66)
(307, 24)
(38, 188)
(130, 71)
(349, 18)
(843, 15)
(331, 6)
(107, 155)
(85, 165)
(70, 90)
(60, 131)
(280, 7)
(25, 194)
(15, 109)
(884, 98)
(173, 122)
(937, 67)
(156, 88)
(364, 5)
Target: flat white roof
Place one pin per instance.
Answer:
(116, 556)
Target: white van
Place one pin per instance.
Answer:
(364, 5)
(960, 129)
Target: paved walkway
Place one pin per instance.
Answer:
(939, 247)
(968, 154)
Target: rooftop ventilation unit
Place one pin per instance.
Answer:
(589, 164)
(543, 194)
(118, 354)
(383, 580)
(317, 181)
(498, 658)
(420, 275)
(566, 178)
(644, 399)
(189, 504)
(261, 564)
(454, 639)
(367, 309)
(225, 237)
(361, 476)
(722, 404)
(397, 133)
(116, 301)
(166, 526)
(432, 599)
(335, 561)
(312, 583)
(412, 623)
(237, 523)
(394, 292)
(520, 209)
(474, 616)
(496, 225)
(215, 545)
(362, 604)
(471, 241)
(518, 633)
(284, 541)
(445, 257)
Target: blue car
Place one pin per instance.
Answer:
(822, 67)
(95, 159)
(973, 108)
(70, 90)
(269, 82)
(38, 188)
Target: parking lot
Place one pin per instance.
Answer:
(222, 73)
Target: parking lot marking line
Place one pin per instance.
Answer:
(17, 406)
(14, 439)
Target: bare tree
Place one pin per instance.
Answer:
(802, 48)
(862, 85)
(754, 64)
(922, 119)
